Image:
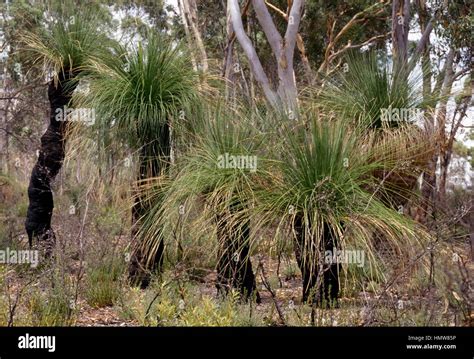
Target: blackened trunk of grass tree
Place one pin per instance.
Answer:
(234, 268)
(50, 160)
(154, 160)
(311, 261)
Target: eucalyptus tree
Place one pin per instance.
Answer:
(285, 97)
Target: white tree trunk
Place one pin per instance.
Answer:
(189, 8)
(283, 49)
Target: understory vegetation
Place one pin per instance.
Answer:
(171, 189)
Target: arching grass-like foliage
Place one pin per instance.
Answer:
(66, 45)
(139, 94)
(367, 87)
(63, 48)
(319, 179)
(372, 92)
(215, 172)
(137, 91)
(325, 187)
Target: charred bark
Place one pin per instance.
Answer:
(154, 159)
(234, 267)
(320, 279)
(50, 160)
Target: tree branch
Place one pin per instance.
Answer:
(294, 20)
(421, 45)
(266, 22)
(299, 44)
(332, 41)
(250, 52)
(350, 46)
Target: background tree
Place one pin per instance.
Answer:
(282, 48)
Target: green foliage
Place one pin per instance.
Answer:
(180, 303)
(455, 25)
(66, 44)
(103, 282)
(13, 207)
(109, 220)
(3, 300)
(329, 171)
(197, 179)
(55, 305)
(290, 271)
(22, 17)
(326, 175)
(368, 86)
(136, 92)
(314, 31)
(460, 149)
(53, 310)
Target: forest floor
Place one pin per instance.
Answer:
(367, 307)
(86, 284)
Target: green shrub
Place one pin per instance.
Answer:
(53, 308)
(103, 283)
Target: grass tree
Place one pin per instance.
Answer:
(216, 173)
(324, 186)
(63, 47)
(381, 97)
(138, 94)
(367, 88)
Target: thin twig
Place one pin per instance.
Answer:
(272, 293)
